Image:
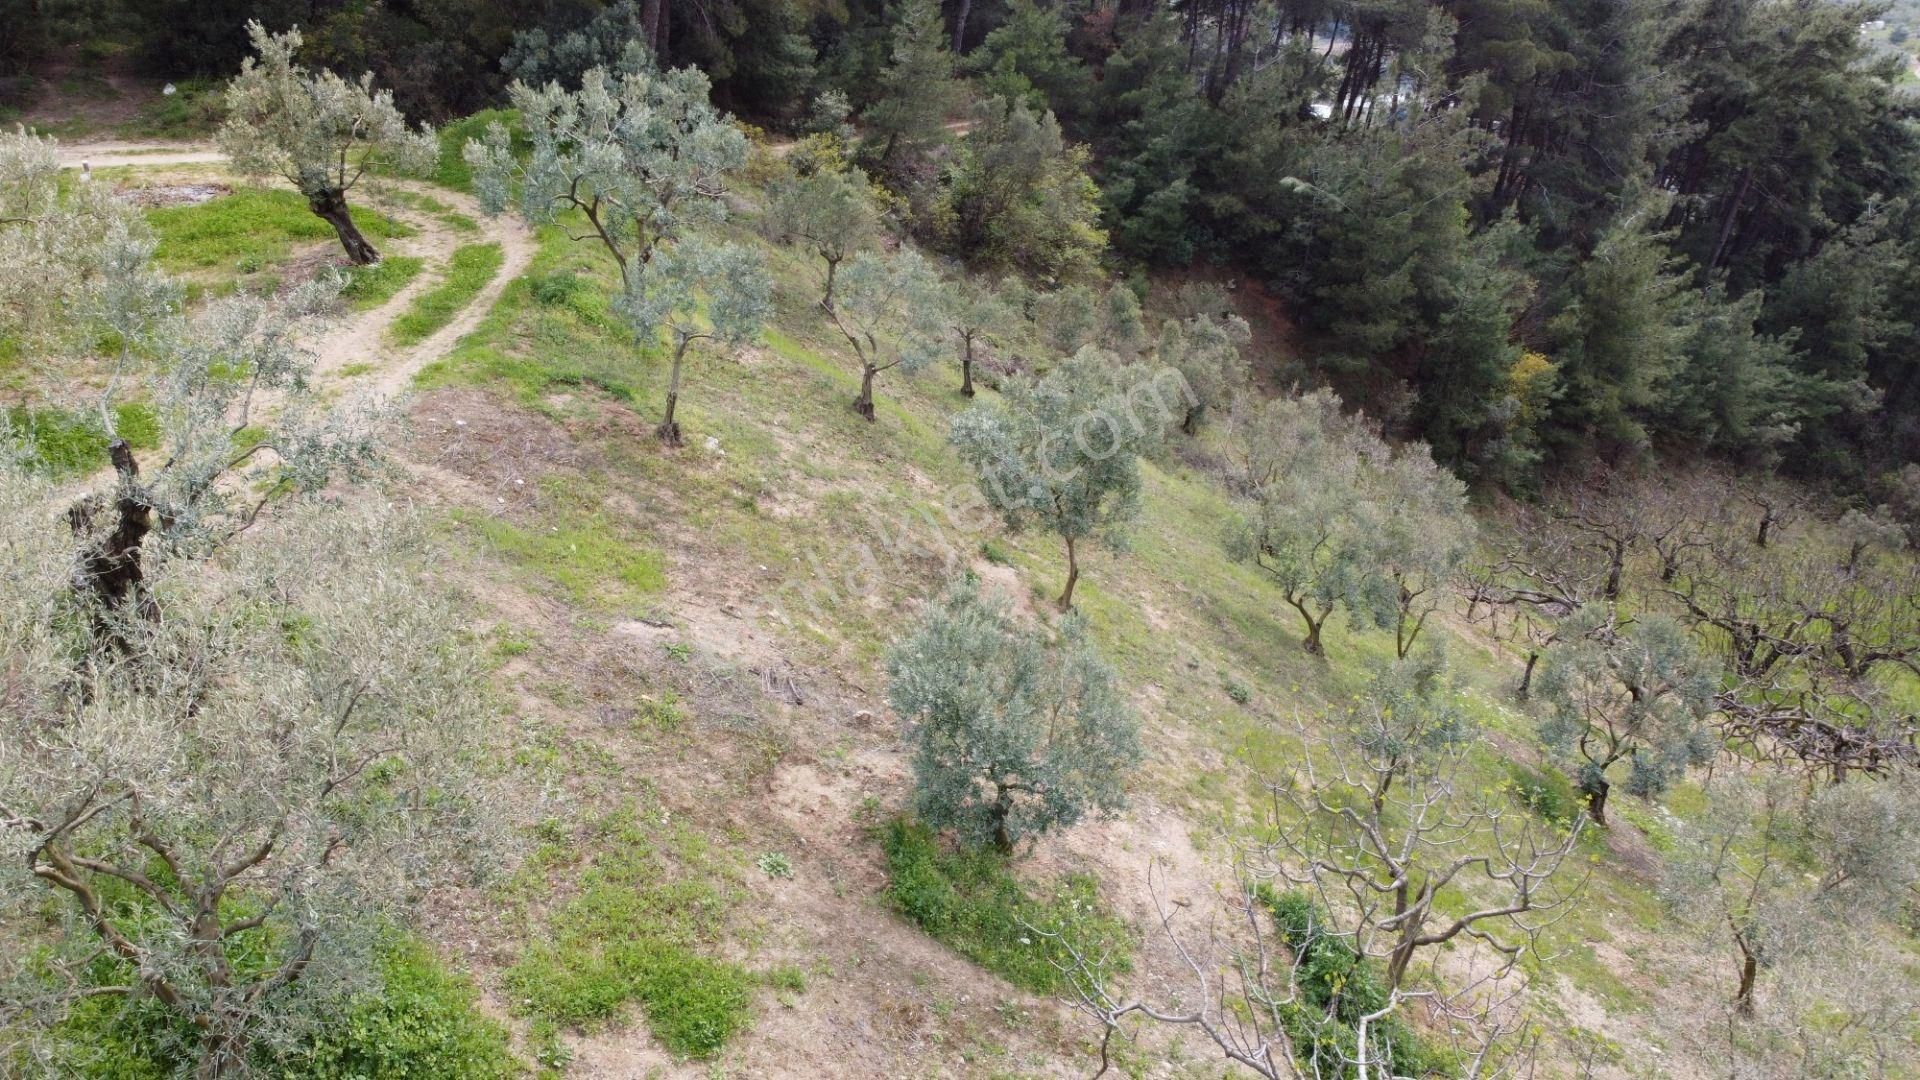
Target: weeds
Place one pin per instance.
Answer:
(632, 934)
(596, 562)
(971, 902)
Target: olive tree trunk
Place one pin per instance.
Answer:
(669, 429)
(1596, 793)
(331, 206)
(864, 403)
(1073, 576)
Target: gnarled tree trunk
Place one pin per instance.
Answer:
(1597, 801)
(331, 206)
(112, 574)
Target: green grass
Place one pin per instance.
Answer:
(472, 266)
(452, 170)
(249, 230)
(598, 562)
(371, 286)
(424, 1023)
(971, 902)
(64, 442)
(635, 932)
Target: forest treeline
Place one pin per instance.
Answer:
(1539, 235)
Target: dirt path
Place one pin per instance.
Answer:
(353, 351)
(106, 155)
(358, 345)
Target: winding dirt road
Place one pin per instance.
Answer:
(353, 350)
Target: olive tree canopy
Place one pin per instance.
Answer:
(642, 157)
(276, 752)
(318, 131)
(1064, 451)
(1017, 736)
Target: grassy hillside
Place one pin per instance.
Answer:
(796, 539)
(689, 644)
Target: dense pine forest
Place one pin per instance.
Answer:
(996, 538)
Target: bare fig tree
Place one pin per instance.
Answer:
(1390, 817)
(318, 131)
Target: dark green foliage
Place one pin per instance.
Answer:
(1025, 59)
(634, 933)
(1336, 987)
(555, 289)
(1019, 196)
(422, 1023)
(917, 91)
(970, 901)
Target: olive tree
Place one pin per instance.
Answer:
(666, 298)
(76, 269)
(1064, 451)
(318, 131)
(1426, 536)
(1338, 519)
(642, 158)
(277, 753)
(830, 211)
(978, 314)
(1209, 352)
(1618, 692)
(1742, 868)
(892, 316)
(1015, 736)
(68, 250)
(1076, 316)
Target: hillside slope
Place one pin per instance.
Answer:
(689, 644)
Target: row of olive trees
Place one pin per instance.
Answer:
(225, 760)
